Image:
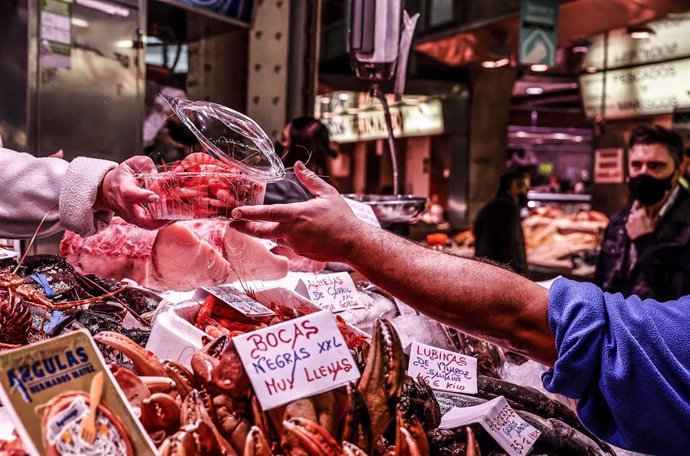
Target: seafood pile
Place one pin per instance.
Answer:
(44, 296)
(211, 408)
(553, 238)
(182, 256)
(201, 187)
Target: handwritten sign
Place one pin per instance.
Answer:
(363, 211)
(334, 292)
(235, 299)
(510, 431)
(296, 359)
(442, 369)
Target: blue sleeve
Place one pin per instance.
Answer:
(628, 363)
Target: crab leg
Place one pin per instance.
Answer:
(303, 437)
(145, 362)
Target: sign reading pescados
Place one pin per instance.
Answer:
(296, 359)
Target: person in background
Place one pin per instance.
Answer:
(646, 247)
(498, 228)
(627, 364)
(80, 196)
(304, 139)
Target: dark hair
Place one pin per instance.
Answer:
(656, 134)
(507, 180)
(308, 142)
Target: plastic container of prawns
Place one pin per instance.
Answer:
(237, 162)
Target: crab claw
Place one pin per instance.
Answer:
(221, 372)
(160, 412)
(131, 384)
(383, 376)
(183, 378)
(303, 437)
(410, 437)
(197, 406)
(350, 449)
(256, 444)
(192, 440)
(356, 423)
(472, 447)
(145, 362)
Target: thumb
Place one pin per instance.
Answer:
(140, 164)
(314, 183)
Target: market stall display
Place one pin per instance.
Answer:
(553, 238)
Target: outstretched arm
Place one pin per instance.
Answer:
(478, 298)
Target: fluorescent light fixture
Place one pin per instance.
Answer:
(577, 138)
(496, 63)
(521, 134)
(79, 22)
(107, 8)
(539, 68)
(580, 49)
(640, 32)
(534, 90)
(124, 44)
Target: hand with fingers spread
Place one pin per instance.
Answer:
(121, 193)
(323, 228)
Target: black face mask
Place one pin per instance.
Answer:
(648, 190)
(522, 199)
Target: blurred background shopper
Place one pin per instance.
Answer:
(646, 247)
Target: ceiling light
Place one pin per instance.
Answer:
(591, 69)
(577, 138)
(79, 22)
(496, 63)
(540, 67)
(640, 32)
(521, 134)
(580, 49)
(534, 90)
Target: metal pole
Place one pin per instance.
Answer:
(376, 92)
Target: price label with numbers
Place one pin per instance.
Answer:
(235, 299)
(511, 432)
(442, 369)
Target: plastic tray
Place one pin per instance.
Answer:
(188, 196)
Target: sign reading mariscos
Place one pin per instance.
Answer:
(296, 359)
(649, 89)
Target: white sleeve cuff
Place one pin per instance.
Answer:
(78, 195)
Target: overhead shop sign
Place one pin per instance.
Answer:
(644, 90)
(422, 119)
(538, 32)
(669, 42)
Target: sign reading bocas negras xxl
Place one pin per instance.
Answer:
(296, 359)
(538, 32)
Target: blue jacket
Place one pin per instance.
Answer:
(627, 361)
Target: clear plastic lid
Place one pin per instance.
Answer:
(230, 136)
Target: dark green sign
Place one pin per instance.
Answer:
(538, 32)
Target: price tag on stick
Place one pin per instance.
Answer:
(363, 211)
(511, 432)
(235, 299)
(296, 359)
(443, 370)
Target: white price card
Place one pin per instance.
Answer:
(235, 299)
(4, 253)
(442, 369)
(510, 431)
(296, 359)
(363, 211)
(334, 292)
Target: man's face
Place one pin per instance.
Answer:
(651, 159)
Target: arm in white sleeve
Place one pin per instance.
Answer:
(32, 187)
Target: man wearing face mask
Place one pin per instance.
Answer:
(498, 228)
(646, 247)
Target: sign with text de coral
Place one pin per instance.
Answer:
(296, 359)
(334, 292)
(443, 370)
